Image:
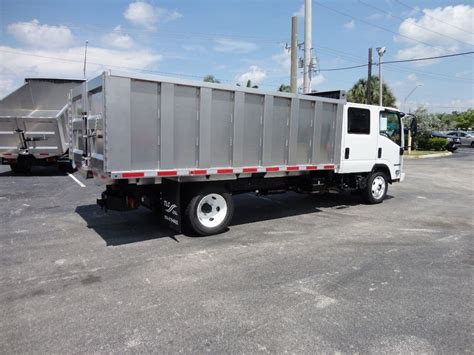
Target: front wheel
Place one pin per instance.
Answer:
(376, 189)
(209, 212)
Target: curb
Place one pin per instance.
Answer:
(427, 156)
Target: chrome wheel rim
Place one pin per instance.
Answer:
(212, 210)
(378, 187)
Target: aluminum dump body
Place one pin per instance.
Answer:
(152, 127)
(33, 119)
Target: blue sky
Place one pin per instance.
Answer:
(238, 40)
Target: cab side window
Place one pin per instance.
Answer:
(390, 126)
(358, 121)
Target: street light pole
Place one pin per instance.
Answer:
(409, 128)
(380, 51)
(411, 92)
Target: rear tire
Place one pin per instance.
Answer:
(376, 189)
(209, 212)
(472, 144)
(22, 166)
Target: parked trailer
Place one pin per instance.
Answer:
(184, 148)
(34, 124)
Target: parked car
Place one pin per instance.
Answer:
(467, 138)
(454, 142)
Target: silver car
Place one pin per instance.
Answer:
(467, 138)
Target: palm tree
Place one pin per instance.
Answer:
(358, 93)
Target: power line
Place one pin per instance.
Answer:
(428, 58)
(413, 23)
(434, 18)
(373, 25)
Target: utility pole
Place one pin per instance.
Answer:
(409, 128)
(85, 58)
(294, 55)
(368, 96)
(307, 66)
(380, 51)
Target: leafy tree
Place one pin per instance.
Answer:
(211, 79)
(358, 93)
(249, 84)
(284, 88)
(465, 120)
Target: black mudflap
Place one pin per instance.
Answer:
(171, 206)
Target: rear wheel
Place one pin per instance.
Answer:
(472, 144)
(376, 189)
(209, 212)
(22, 165)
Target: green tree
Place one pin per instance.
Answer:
(211, 79)
(249, 84)
(465, 120)
(358, 93)
(284, 88)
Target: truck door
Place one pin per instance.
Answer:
(390, 142)
(359, 144)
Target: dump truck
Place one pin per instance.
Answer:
(183, 148)
(34, 124)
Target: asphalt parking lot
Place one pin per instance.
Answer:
(294, 273)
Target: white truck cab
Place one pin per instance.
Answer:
(372, 136)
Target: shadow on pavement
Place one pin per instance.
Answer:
(37, 171)
(118, 228)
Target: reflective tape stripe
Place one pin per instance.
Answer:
(135, 174)
(213, 171)
(167, 173)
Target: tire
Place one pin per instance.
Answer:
(376, 189)
(66, 167)
(209, 212)
(472, 144)
(22, 165)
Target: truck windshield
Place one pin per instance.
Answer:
(390, 126)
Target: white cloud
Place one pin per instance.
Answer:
(36, 35)
(234, 46)
(412, 77)
(255, 74)
(67, 63)
(143, 14)
(300, 12)
(118, 39)
(6, 87)
(349, 25)
(435, 27)
(195, 48)
(315, 81)
(283, 60)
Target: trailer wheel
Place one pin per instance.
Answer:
(22, 165)
(209, 212)
(376, 189)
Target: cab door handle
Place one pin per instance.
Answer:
(346, 153)
(379, 155)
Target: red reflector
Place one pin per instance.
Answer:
(7, 154)
(274, 168)
(132, 175)
(198, 172)
(311, 167)
(225, 171)
(167, 173)
(44, 154)
(328, 166)
(249, 170)
(292, 168)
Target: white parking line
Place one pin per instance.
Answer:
(76, 180)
